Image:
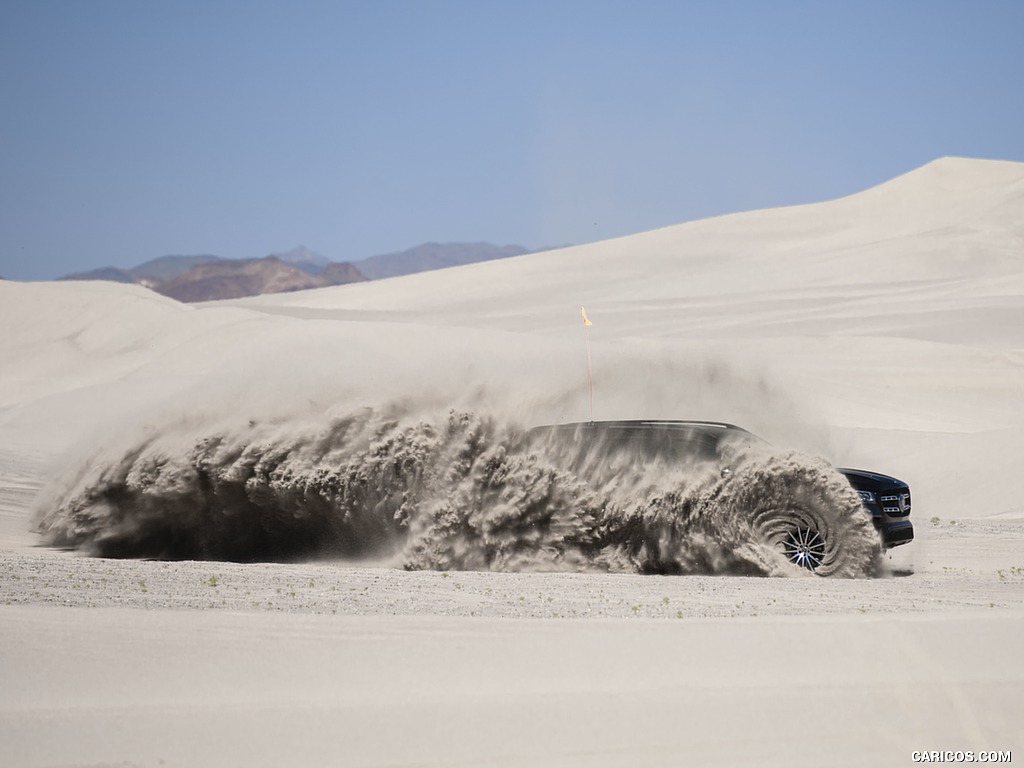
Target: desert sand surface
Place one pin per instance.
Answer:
(883, 331)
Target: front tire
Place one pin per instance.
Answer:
(804, 514)
(804, 547)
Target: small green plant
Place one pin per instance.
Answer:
(664, 600)
(936, 520)
(142, 584)
(212, 581)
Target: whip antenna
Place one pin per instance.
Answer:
(590, 368)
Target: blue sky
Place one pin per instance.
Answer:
(131, 130)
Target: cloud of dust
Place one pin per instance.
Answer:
(394, 445)
(448, 489)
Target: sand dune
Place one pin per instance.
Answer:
(883, 330)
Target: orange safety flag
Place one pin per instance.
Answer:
(585, 320)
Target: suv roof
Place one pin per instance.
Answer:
(668, 424)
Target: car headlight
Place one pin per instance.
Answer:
(866, 496)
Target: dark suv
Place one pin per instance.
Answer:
(888, 501)
(886, 498)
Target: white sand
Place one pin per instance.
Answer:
(884, 330)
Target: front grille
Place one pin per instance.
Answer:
(896, 504)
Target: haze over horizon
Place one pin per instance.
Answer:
(360, 129)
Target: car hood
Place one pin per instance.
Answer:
(870, 481)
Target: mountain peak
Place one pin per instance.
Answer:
(305, 259)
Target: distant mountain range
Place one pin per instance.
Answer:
(209, 278)
(233, 279)
(205, 277)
